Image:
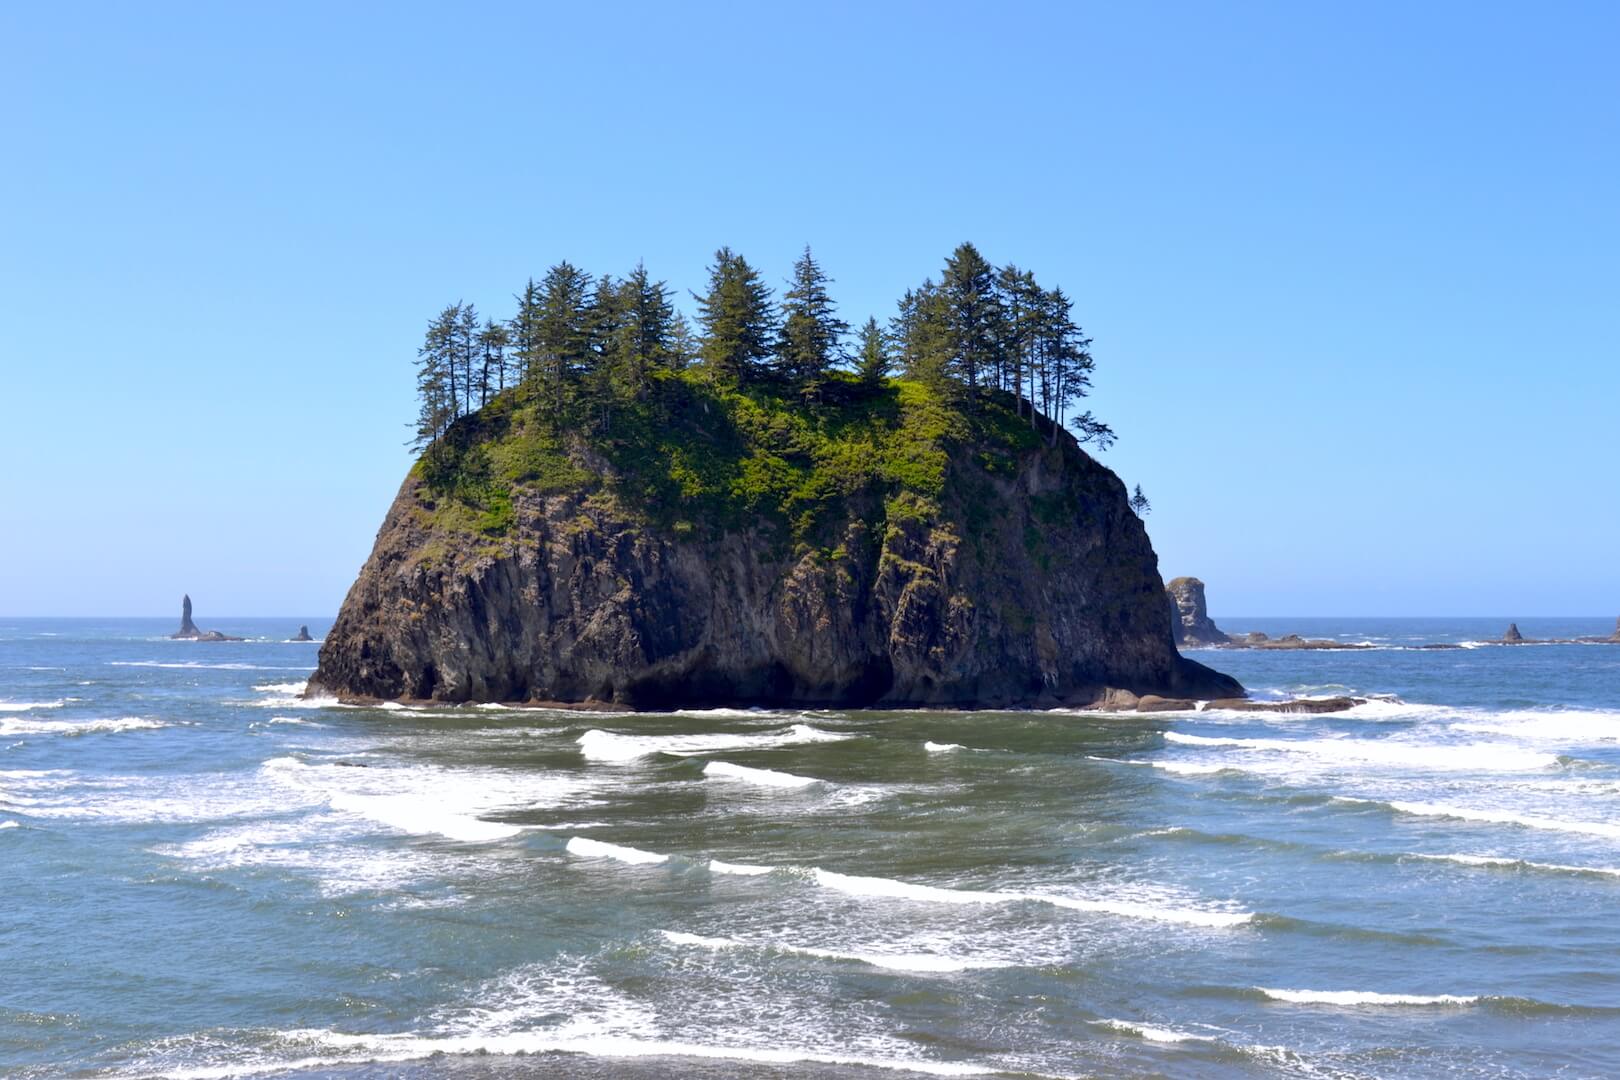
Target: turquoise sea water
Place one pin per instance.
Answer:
(202, 875)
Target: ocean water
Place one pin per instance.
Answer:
(202, 875)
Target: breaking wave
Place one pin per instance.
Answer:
(608, 746)
(725, 770)
(909, 962)
(108, 726)
(1491, 817)
(587, 848)
(1465, 757)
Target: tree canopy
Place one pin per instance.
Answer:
(584, 345)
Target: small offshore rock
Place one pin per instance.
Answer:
(1151, 703)
(1116, 700)
(1513, 637)
(303, 634)
(1189, 614)
(1302, 705)
(188, 630)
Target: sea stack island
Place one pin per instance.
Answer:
(649, 523)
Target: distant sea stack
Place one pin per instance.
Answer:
(302, 635)
(1189, 614)
(188, 630)
(1513, 637)
(713, 549)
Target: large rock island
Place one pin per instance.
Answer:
(706, 546)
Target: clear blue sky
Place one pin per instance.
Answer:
(1352, 270)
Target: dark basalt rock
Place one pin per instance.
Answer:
(1033, 584)
(1189, 614)
(1513, 637)
(188, 630)
(302, 635)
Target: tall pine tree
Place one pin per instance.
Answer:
(563, 331)
(812, 332)
(872, 362)
(738, 320)
(969, 287)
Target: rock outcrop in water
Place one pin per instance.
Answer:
(188, 630)
(302, 635)
(1513, 637)
(1009, 573)
(1189, 614)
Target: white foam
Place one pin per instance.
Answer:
(364, 1049)
(909, 962)
(1361, 997)
(1548, 725)
(1492, 817)
(28, 706)
(1184, 768)
(8, 824)
(941, 748)
(725, 770)
(1151, 1033)
(738, 869)
(1462, 757)
(105, 726)
(902, 890)
(407, 814)
(587, 848)
(608, 746)
(280, 687)
(427, 800)
(1518, 864)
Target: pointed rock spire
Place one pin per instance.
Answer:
(188, 629)
(1512, 637)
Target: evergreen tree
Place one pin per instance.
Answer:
(872, 361)
(1140, 504)
(492, 342)
(1064, 354)
(1020, 308)
(738, 320)
(811, 329)
(683, 344)
(467, 354)
(524, 332)
(563, 331)
(969, 287)
(650, 317)
(608, 335)
(436, 380)
(921, 327)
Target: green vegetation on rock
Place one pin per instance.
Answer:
(763, 420)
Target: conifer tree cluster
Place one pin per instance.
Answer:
(582, 345)
(981, 328)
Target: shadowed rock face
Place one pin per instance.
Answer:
(303, 634)
(1029, 586)
(1190, 615)
(188, 629)
(1513, 637)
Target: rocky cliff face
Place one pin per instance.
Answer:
(1189, 614)
(1029, 584)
